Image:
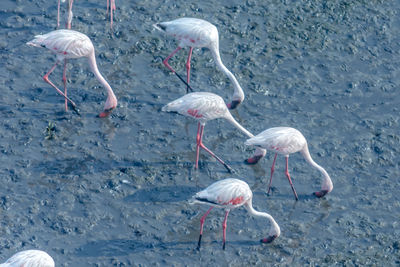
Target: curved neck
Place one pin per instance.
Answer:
(259, 151)
(230, 118)
(100, 78)
(327, 182)
(238, 94)
(274, 230)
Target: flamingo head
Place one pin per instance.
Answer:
(321, 193)
(273, 234)
(111, 104)
(258, 154)
(327, 186)
(233, 104)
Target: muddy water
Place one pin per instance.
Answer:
(113, 192)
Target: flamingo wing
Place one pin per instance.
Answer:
(203, 106)
(284, 140)
(65, 43)
(225, 193)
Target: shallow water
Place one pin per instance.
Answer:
(113, 192)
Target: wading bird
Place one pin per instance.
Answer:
(193, 32)
(67, 44)
(285, 141)
(110, 8)
(29, 258)
(204, 106)
(229, 194)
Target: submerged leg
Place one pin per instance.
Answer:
(224, 229)
(203, 218)
(272, 172)
(288, 176)
(210, 152)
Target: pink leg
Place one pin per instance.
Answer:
(58, 14)
(188, 66)
(198, 139)
(210, 152)
(224, 229)
(165, 61)
(69, 20)
(288, 176)
(65, 83)
(203, 218)
(46, 79)
(108, 6)
(112, 10)
(272, 172)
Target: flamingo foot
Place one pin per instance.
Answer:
(321, 193)
(233, 104)
(253, 160)
(268, 239)
(199, 243)
(106, 113)
(229, 168)
(75, 109)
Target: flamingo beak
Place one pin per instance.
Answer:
(233, 104)
(268, 239)
(321, 193)
(253, 160)
(106, 113)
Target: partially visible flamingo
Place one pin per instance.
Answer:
(69, 18)
(30, 258)
(194, 32)
(285, 141)
(110, 8)
(229, 194)
(67, 44)
(204, 106)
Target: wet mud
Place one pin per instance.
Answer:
(113, 191)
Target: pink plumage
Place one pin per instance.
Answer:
(69, 44)
(30, 258)
(285, 141)
(229, 194)
(192, 32)
(204, 106)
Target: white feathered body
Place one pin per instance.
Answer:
(30, 258)
(190, 32)
(65, 44)
(202, 106)
(282, 140)
(228, 194)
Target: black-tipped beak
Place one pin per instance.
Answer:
(233, 104)
(268, 239)
(320, 193)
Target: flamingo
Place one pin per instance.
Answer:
(285, 141)
(110, 8)
(67, 44)
(30, 258)
(204, 106)
(194, 32)
(228, 194)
